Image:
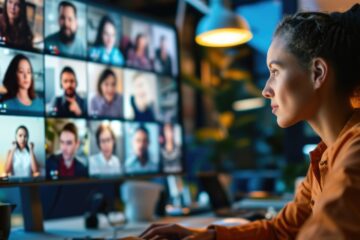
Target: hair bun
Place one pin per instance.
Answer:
(349, 19)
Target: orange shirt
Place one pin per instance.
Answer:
(326, 204)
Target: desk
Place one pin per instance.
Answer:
(74, 227)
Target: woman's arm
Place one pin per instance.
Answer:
(34, 164)
(9, 159)
(336, 214)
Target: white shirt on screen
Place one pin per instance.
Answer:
(98, 165)
(21, 163)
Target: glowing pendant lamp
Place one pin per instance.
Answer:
(222, 28)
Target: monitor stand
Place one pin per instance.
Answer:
(32, 209)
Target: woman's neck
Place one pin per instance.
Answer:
(331, 119)
(23, 97)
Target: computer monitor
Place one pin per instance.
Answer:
(88, 93)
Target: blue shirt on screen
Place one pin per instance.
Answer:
(54, 45)
(101, 54)
(37, 105)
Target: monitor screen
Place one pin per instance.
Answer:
(86, 92)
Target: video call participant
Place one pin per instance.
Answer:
(107, 102)
(21, 160)
(142, 107)
(138, 55)
(105, 162)
(19, 83)
(65, 164)
(70, 104)
(14, 27)
(141, 161)
(66, 41)
(170, 151)
(104, 49)
(163, 62)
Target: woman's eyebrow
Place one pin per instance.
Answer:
(276, 62)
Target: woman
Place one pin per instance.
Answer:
(14, 28)
(140, 102)
(19, 84)
(104, 49)
(170, 151)
(138, 56)
(107, 102)
(105, 162)
(21, 160)
(314, 62)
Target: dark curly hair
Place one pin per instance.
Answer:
(105, 19)
(334, 37)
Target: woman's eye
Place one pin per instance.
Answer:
(274, 72)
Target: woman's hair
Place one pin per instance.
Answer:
(10, 79)
(137, 40)
(20, 34)
(102, 128)
(105, 19)
(104, 75)
(334, 37)
(27, 135)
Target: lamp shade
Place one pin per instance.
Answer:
(222, 28)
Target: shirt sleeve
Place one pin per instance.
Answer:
(285, 225)
(336, 215)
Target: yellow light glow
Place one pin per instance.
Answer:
(224, 37)
(248, 104)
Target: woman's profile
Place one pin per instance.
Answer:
(314, 61)
(21, 160)
(104, 49)
(20, 93)
(14, 27)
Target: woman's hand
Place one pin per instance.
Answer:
(31, 146)
(175, 231)
(13, 146)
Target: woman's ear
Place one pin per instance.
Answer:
(319, 72)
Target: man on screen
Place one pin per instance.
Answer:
(141, 161)
(66, 41)
(65, 164)
(70, 104)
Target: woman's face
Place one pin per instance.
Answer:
(142, 42)
(109, 35)
(24, 74)
(106, 143)
(289, 86)
(108, 88)
(21, 138)
(13, 9)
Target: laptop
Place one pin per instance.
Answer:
(220, 202)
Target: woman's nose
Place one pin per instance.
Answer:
(267, 92)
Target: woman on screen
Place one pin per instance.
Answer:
(140, 102)
(105, 162)
(107, 102)
(19, 83)
(104, 49)
(170, 151)
(14, 27)
(313, 61)
(138, 55)
(21, 160)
